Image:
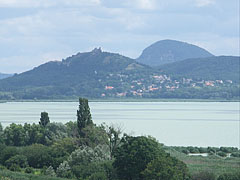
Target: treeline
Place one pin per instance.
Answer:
(83, 150)
(228, 93)
(214, 93)
(221, 151)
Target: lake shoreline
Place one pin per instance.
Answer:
(125, 100)
(172, 123)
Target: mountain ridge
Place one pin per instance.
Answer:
(216, 67)
(99, 74)
(168, 51)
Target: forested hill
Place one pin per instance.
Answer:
(212, 68)
(81, 74)
(168, 51)
(98, 74)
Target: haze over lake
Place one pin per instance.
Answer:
(172, 123)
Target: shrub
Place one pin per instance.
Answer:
(165, 168)
(204, 175)
(19, 160)
(228, 176)
(235, 154)
(7, 153)
(29, 170)
(50, 171)
(222, 154)
(38, 155)
(143, 158)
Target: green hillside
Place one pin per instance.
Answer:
(212, 68)
(104, 75)
(85, 74)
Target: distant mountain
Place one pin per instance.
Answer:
(3, 76)
(99, 74)
(212, 68)
(168, 51)
(81, 74)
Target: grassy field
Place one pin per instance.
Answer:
(215, 164)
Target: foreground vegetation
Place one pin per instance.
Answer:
(82, 150)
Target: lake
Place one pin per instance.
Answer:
(172, 123)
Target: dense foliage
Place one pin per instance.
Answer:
(90, 152)
(142, 158)
(212, 68)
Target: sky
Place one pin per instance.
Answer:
(33, 32)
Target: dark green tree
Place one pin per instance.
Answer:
(1, 133)
(165, 168)
(132, 157)
(17, 160)
(1, 128)
(38, 155)
(44, 120)
(14, 135)
(84, 117)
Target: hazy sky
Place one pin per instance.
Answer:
(36, 31)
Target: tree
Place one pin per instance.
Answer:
(44, 120)
(84, 117)
(132, 157)
(38, 155)
(1, 133)
(17, 160)
(86, 161)
(93, 136)
(1, 128)
(35, 133)
(14, 135)
(113, 134)
(165, 168)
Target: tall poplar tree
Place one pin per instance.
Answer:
(84, 117)
(44, 120)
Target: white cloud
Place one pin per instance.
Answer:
(146, 4)
(128, 20)
(202, 3)
(141, 4)
(69, 26)
(25, 3)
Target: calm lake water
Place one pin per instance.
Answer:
(172, 123)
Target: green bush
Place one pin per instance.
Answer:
(229, 176)
(143, 158)
(38, 155)
(204, 175)
(235, 154)
(29, 170)
(7, 153)
(222, 154)
(165, 168)
(19, 160)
